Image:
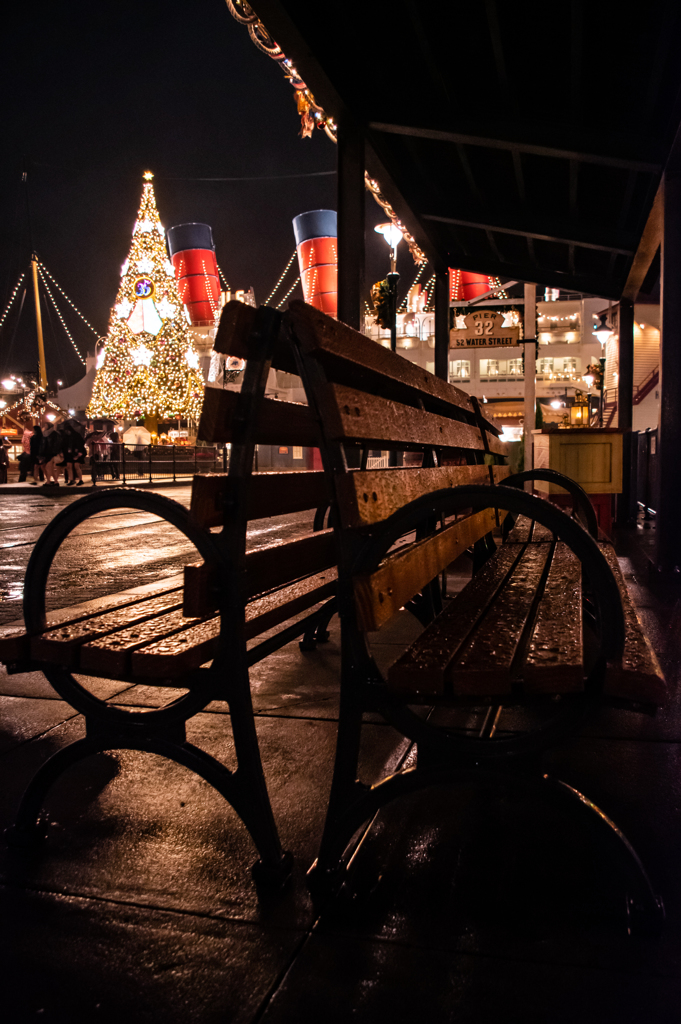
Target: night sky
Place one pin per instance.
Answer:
(93, 95)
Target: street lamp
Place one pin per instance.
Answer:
(393, 237)
(603, 333)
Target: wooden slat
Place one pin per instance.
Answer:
(278, 422)
(169, 657)
(521, 532)
(379, 595)
(357, 416)
(424, 666)
(266, 568)
(528, 530)
(237, 321)
(369, 496)
(638, 676)
(269, 494)
(484, 667)
(15, 643)
(554, 662)
(340, 348)
(61, 646)
(110, 655)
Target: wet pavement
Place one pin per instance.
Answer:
(476, 906)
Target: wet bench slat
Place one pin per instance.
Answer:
(382, 593)
(192, 646)
(485, 665)
(269, 494)
(555, 659)
(370, 496)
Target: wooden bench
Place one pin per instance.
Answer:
(540, 629)
(196, 633)
(544, 631)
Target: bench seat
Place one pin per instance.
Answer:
(516, 630)
(148, 639)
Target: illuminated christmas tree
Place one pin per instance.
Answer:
(148, 366)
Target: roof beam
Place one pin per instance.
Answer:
(458, 138)
(580, 243)
(647, 247)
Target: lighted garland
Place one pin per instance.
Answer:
(58, 312)
(281, 279)
(43, 270)
(148, 365)
(289, 292)
(12, 298)
(405, 300)
(311, 114)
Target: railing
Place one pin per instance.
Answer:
(132, 463)
(377, 462)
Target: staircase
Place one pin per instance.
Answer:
(641, 391)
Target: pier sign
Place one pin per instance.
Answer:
(484, 330)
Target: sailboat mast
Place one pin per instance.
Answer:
(39, 324)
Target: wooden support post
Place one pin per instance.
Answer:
(530, 320)
(625, 403)
(668, 534)
(350, 225)
(442, 325)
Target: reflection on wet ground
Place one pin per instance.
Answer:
(111, 551)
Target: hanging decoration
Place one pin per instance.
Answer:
(311, 114)
(147, 365)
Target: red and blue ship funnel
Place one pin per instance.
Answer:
(316, 234)
(192, 254)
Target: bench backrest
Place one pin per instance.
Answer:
(232, 500)
(361, 397)
(364, 396)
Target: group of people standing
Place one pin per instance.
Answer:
(49, 449)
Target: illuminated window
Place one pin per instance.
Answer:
(515, 366)
(489, 367)
(459, 369)
(545, 365)
(569, 365)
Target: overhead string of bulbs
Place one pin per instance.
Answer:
(58, 312)
(289, 292)
(405, 300)
(281, 279)
(311, 114)
(12, 298)
(43, 269)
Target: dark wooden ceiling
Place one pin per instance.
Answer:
(520, 139)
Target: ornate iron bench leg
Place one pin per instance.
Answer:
(26, 829)
(644, 908)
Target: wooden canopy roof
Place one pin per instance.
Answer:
(518, 139)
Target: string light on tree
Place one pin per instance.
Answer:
(148, 365)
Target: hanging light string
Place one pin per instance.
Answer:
(61, 291)
(61, 318)
(288, 292)
(429, 286)
(12, 298)
(279, 282)
(403, 303)
(495, 285)
(311, 114)
(223, 278)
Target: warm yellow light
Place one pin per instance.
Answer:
(148, 175)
